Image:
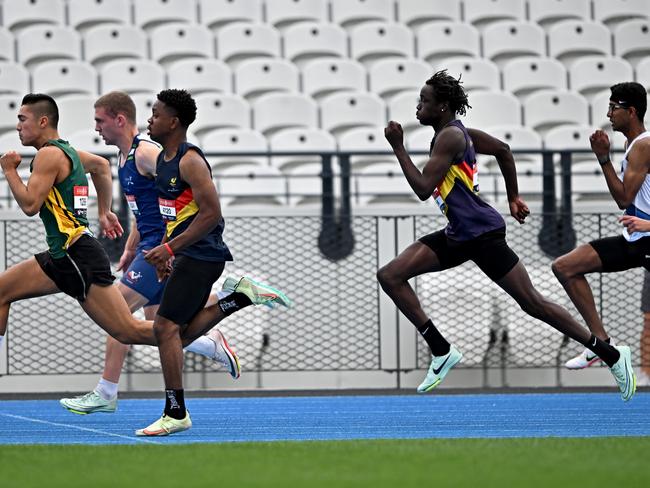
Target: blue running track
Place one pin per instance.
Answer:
(337, 417)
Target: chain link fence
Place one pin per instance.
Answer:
(337, 323)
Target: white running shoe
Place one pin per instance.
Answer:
(89, 403)
(583, 360)
(624, 373)
(223, 353)
(440, 366)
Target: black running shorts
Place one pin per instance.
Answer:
(489, 251)
(85, 263)
(619, 254)
(188, 288)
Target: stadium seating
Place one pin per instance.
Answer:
(221, 110)
(342, 111)
(234, 140)
(89, 140)
(214, 14)
(9, 105)
(415, 12)
(258, 76)
(282, 13)
(548, 108)
(612, 12)
(372, 41)
(546, 13)
(492, 109)
(592, 74)
(369, 138)
(7, 45)
(132, 76)
(76, 113)
(503, 41)
(200, 76)
(83, 14)
(347, 13)
(437, 41)
(65, 77)
(151, 13)
(571, 137)
(277, 111)
(523, 76)
(632, 40)
(40, 43)
(236, 42)
(475, 74)
(14, 78)
(481, 14)
(391, 76)
(571, 39)
(18, 14)
(107, 42)
(175, 41)
(143, 103)
(321, 77)
(311, 40)
(299, 140)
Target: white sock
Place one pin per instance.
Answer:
(203, 346)
(106, 389)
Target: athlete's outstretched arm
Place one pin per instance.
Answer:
(484, 143)
(45, 169)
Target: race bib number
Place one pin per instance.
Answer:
(167, 209)
(80, 194)
(133, 205)
(439, 201)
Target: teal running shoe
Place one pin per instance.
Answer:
(260, 294)
(624, 374)
(166, 425)
(89, 403)
(230, 284)
(440, 366)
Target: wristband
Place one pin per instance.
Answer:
(169, 249)
(603, 160)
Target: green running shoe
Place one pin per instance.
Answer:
(166, 425)
(260, 294)
(624, 374)
(230, 284)
(89, 403)
(440, 366)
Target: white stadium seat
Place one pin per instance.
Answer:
(612, 12)
(342, 111)
(240, 41)
(105, 43)
(391, 76)
(348, 13)
(7, 45)
(504, 41)
(632, 40)
(234, 140)
(83, 14)
(132, 76)
(276, 111)
(177, 41)
(282, 13)
(151, 13)
(76, 112)
(474, 73)
(256, 77)
(415, 12)
(492, 108)
(481, 13)
(9, 106)
(438, 41)
(14, 78)
(321, 77)
(200, 75)
(214, 14)
(305, 42)
(40, 43)
(373, 41)
(571, 39)
(523, 76)
(221, 110)
(545, 109)
(546, 13)
(18, 14)
(592, 74)
(65, 77)
(297, 140)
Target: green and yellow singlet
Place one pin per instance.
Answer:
(64, 211)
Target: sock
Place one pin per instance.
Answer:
(203, 346)
(438, 345)
(609, 354)
(233, 302)
(175, 404)
(106, 389)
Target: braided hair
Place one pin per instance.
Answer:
(448, 89)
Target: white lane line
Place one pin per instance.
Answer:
(86, 429)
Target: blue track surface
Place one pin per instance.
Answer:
(337, 417)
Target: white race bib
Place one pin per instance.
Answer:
(80, 194)
(133, 205)
(167, 209)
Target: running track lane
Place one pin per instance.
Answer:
(337, 418)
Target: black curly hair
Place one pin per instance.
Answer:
(448, 89)
(182, 103)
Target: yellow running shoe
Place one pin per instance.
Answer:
(166, 425)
